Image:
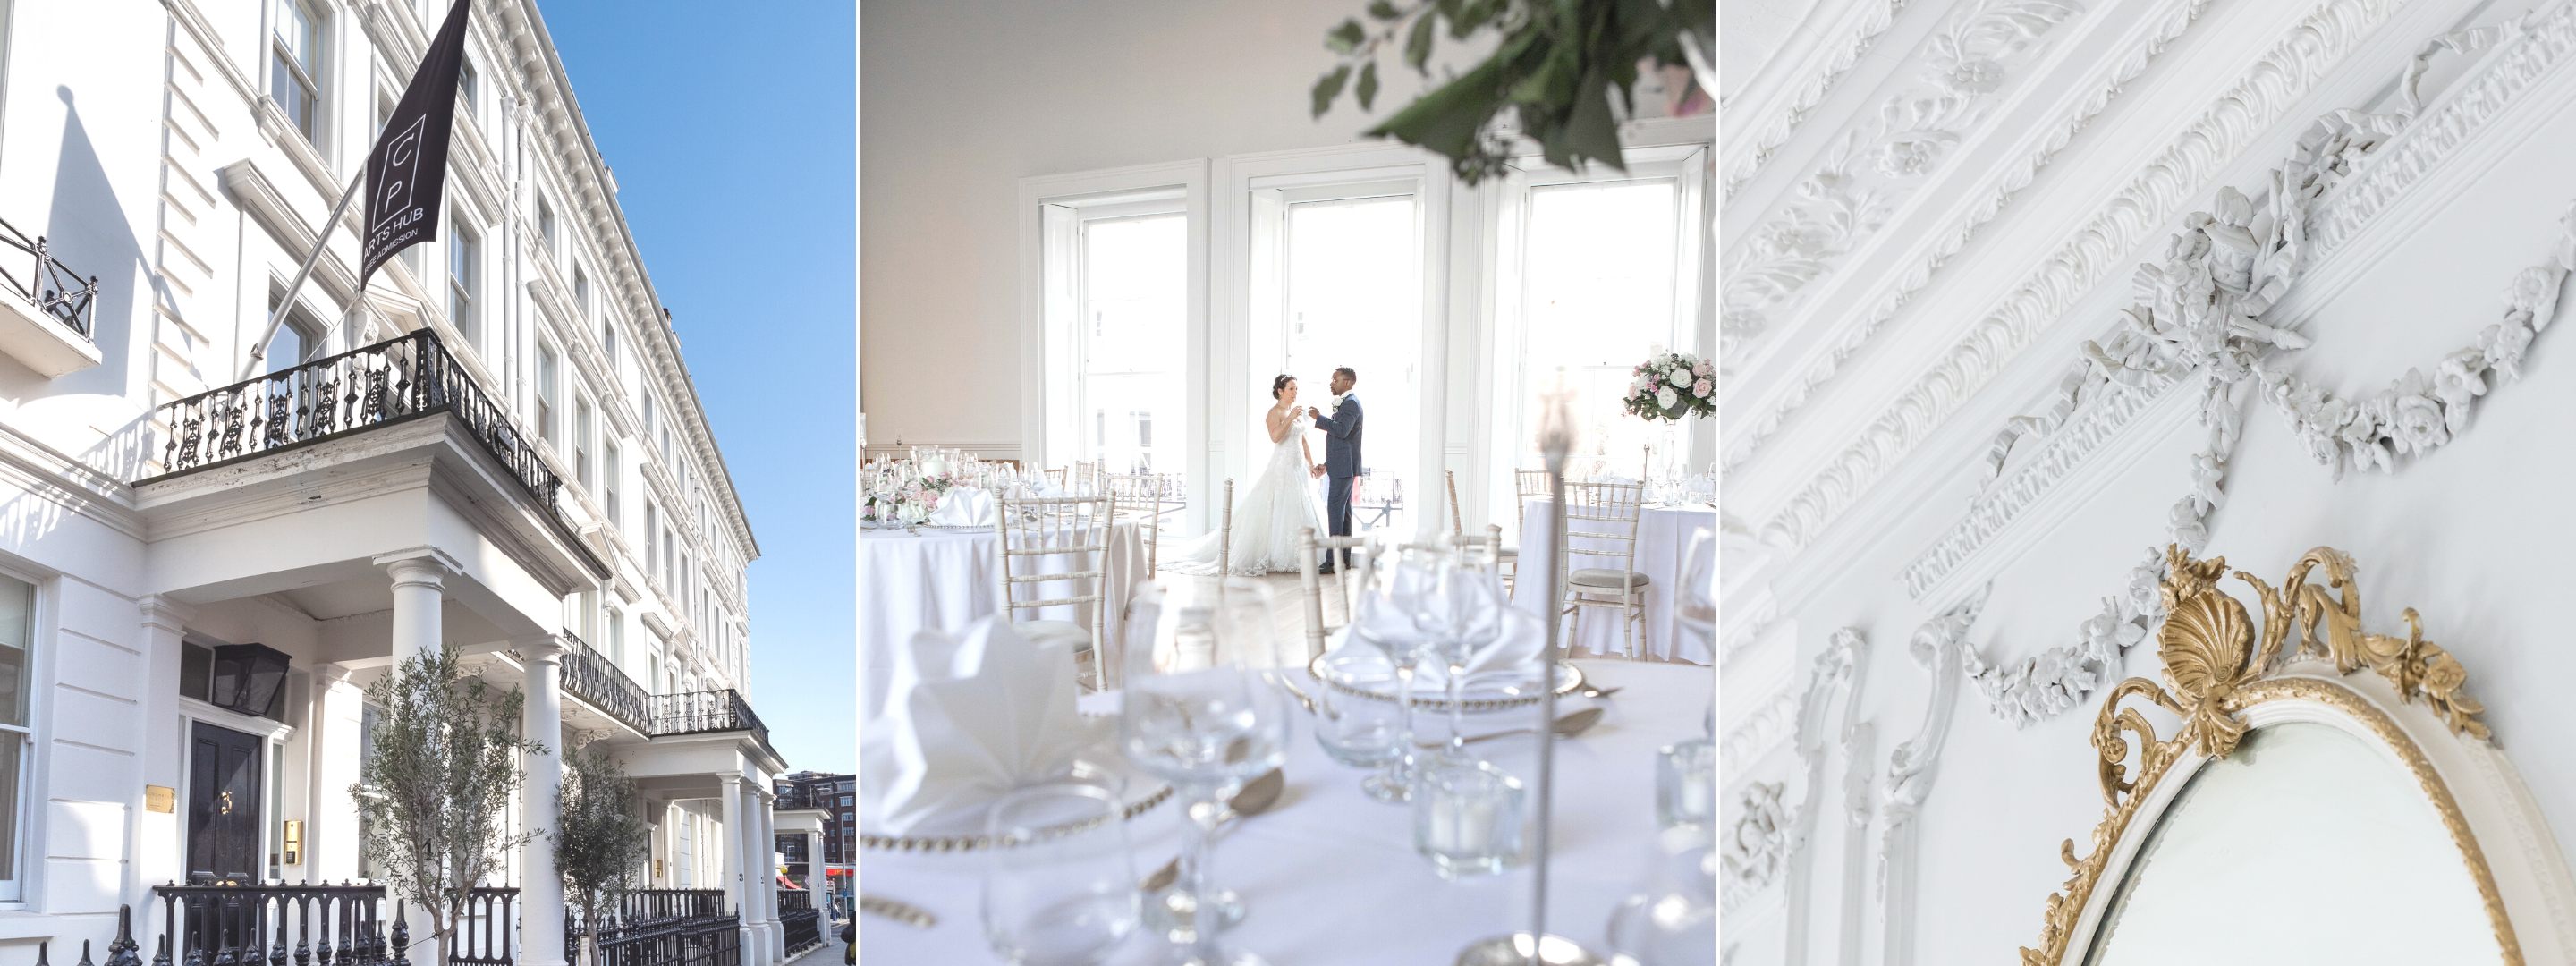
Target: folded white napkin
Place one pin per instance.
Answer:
(1508, 661)
(964, 506)
(967, 719)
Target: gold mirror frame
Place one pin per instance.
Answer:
(2215, 668)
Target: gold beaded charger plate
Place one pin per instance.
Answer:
(1485, 692)
(1140, 795)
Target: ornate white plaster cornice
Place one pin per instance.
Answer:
(1857, 331)
(1760, 732)
(2262, 94)
(1782, 115)
(2071, 445)
(1948, 87)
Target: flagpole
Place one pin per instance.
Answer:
(276, 317)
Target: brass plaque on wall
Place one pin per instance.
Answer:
(159, 799)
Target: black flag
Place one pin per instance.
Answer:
(407, 171)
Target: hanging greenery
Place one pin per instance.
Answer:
(433, 796)
(1556, 66)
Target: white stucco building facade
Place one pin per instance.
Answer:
(497, 447)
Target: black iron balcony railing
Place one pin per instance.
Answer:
(56, 291)
(389, 382)
(487, 929)
(696, 711)
(596, 679)
(800, 924)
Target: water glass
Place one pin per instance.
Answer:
(1467, 818)
(1357, 732)
(1672, 919)
(1686, 784)
(1060, 889)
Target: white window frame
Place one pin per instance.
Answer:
(1049, 207)
(1255, 190)
(312, 77)
(549, 391)
(43, 613)
(464, 276)
(1686, 163)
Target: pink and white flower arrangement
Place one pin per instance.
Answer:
(904, 498)
(1670, 386)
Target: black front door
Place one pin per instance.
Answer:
(223, 805)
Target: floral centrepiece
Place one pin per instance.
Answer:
(903, 496)
(1670, 386)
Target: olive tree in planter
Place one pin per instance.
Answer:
(434, 794)
(599, 840)
(1555, 66)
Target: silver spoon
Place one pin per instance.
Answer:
(1258, 795)
(1565, 727)
(1597, 691)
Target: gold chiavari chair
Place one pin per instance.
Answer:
(1604, 512)
(1032, 528)
(1506, 560)
(1310, 580)
(1225, 537)
(1140, 496)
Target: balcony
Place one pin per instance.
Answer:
(592, 677)
(698, 712)
(394, 381)
(46, 317)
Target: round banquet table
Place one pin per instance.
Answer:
(1663, 535)
(942, 578)
(1330, 877)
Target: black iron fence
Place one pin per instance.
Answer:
(57, 291)
(487, 929)
(663, 927)
(596, 679)
(391, 381)
(262, 925)
(800, 924)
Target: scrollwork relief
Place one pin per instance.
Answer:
(1756, 845)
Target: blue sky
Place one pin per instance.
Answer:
(733, 136)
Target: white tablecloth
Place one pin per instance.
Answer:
(1331, 878)
(943, 578)
(1663, 535)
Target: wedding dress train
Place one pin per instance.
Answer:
(1266, 517)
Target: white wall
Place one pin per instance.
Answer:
(959, 100)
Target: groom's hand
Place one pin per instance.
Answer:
(1316, 471)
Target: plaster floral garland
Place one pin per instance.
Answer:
(2197, 316)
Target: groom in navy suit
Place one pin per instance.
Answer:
(1341, 456)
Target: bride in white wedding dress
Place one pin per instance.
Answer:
(1268, 516)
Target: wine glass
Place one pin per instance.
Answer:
(1461, 614)
(1670, 920)
(1358, 733)
(1383, 619)
(1060, 889)
(1207, 725)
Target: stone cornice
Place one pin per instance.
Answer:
(2263, 94)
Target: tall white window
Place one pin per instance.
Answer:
(464, 254)
(295, 67)
(652, 539)
(608, 481)
(546, 233)
(1131, 340)
(17, 649)
(581, 443)
(468, 89)
(1598, 273)
(616, 642)
(1349, 290)
(546, 399)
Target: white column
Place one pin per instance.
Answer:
(420, 585)
(757, 878)
(731, 799)
(541, 890)
(767, 800)
(330, 821)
